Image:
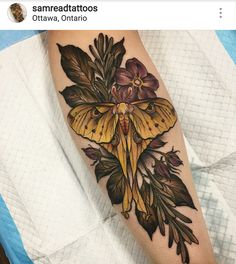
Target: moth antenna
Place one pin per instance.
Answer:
(115, 94)
(130, 91)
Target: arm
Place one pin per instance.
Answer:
(121, 116)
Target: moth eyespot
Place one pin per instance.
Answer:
(86, 127)
(137, 138)
(151, 108)
(162, 120)
(115, 141)
(173, 111)
(95, 113)
(93, 130)
(70, 119)
(156, 125)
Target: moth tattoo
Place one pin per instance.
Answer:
(117, 109)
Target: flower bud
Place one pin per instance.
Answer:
(161, 170)
(93, 153)
(173, 159)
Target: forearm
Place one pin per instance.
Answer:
(125, 123)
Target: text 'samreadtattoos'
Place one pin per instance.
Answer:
(118, 110)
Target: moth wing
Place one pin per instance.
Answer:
(135, 148)
(96, 122)
(128, 147)
(119, 150)
(152, 118)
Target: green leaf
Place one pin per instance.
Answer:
(182, 217)
(180, 192)
(109, 44)
(118, 51)
(148, 221)
(116, 186)
(75, 64)
(147, 193)
(187, 231)
(96, 69)
(171, 236)
(94, 53)
(107, 58)
(184, 253)
(110, 166)
(109, 63)
(160, 217)
(100, 68)
(100, 45)
(104, 168)
(74, 95)
(113, 61)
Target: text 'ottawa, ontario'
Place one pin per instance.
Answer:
(71, 18)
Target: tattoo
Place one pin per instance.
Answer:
(118, 109)
(3, 258)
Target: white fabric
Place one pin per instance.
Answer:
(57, 206)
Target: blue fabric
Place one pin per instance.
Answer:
(228, 39)
(10, 37)
(10, 237)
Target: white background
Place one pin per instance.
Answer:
(133, 15)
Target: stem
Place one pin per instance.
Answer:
(151, 155)
(139, 170)
(144, 165)
(157, 151)
(146, 169)
(96, 92)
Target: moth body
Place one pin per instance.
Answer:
(123, 110)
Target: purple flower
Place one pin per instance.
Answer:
(124, 94)
(173, 158)
(135, 75)
(161, 170)
(93, 153)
